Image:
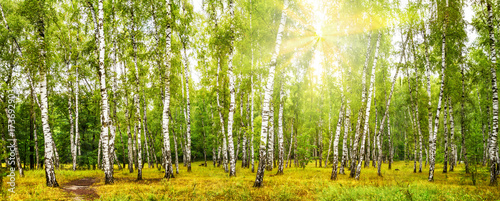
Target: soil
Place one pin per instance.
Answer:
(81, 189)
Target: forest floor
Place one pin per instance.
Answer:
(209, 183)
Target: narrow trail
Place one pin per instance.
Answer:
(81, 189)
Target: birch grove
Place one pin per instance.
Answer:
(96, 86)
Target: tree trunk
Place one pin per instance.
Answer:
(417, 118)
(357, 136)
(136, 96)
(130, 148)
(336, 143)
(386, 114)
(244, 134)
(270, 143)
(347, 125)
(176, 154)
(145, 129)
(106, 123)
(429, 104)
(389, 139)
(188, 111)
(368, 106)
(230, 118)
(452, 136)
(167, 156)
(290, 148)
(281, 146)
(267, 98)
(445, 122)
(432, 139)
(331, 136)
(462, 124)
(71, 134)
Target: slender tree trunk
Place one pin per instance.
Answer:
(357, 136)
(145, 129)
(243, 133)
(429, 104)
(230, 120)
(452, 135)
(188, 111)
(167, 156)
(386, 114)
(131, 145)
(331, 136)
(106, 123)
(290, 148)
(71, 134)
(368, 106)
(270, 143)
(35, 135)
(462, 124)
(417, 117)
(389, 139)
(49, 141)
(281, 146)
(347, 124)
(176, 154)
(136, 96)
(267, 98)
(335, 162)
(77, 132)
(433, 138)
(445, 122)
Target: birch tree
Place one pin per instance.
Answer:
(494, 131)
(368, 106)
(230, 121)
(281, 148)
(267, 98)
(433, 137)
(167, 156)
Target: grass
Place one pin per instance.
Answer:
(311, 183)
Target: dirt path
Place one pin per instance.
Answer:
(81, 189)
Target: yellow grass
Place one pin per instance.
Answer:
(311, 183)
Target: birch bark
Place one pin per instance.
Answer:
(280, 135)
(167, 156)
(267, 98)
(368, 106)
(230, 120)
(432, 139)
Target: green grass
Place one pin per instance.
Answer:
(311, 183)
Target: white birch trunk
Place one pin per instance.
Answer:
(280, 135)
(167, 156)
(386, 115)
(368, 106)
(347, 124)
(188, 111)
(106, 121)
(492, 147)
(452, 137)
(230, 119)
(270, 143)
(50, 175)
(336, 143)
(432, 139)
(267, 98)
(357, 136)
(290, 148)
(445, 122)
